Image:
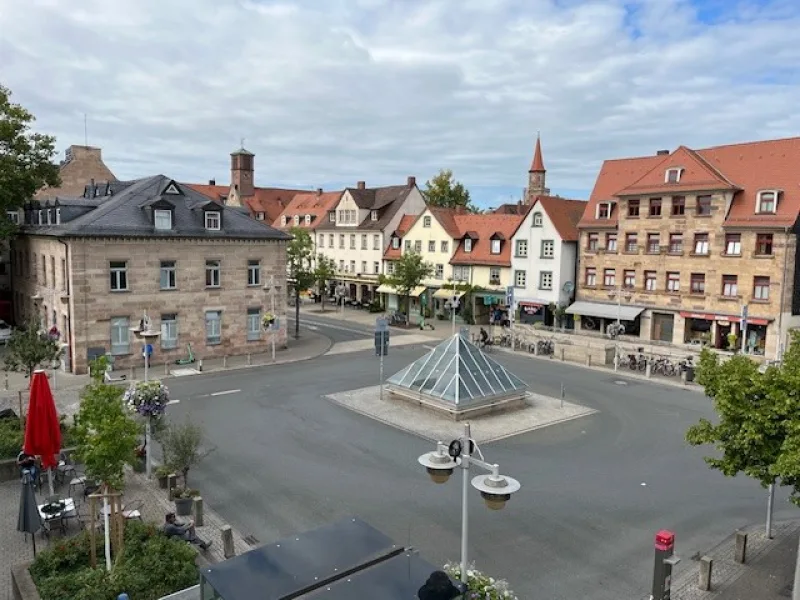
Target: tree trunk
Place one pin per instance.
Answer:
(296, 313)
(322, 296)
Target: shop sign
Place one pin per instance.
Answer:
(530, 308)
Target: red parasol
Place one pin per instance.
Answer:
(42, 429)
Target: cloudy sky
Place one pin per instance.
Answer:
(329, 92)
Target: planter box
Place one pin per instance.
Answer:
(22, 585)
(183, 506)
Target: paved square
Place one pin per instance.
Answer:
(541, 411)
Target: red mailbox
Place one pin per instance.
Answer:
(665, 540)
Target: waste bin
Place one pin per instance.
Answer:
(688, 374)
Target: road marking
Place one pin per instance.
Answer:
(429, 347)
(173, 402)
(225, 393)
(311, 327)
(306, 323)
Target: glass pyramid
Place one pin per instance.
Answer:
(458, 373)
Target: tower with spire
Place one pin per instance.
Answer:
(536, 175)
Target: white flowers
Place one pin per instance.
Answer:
(148, 398)
(480, 586)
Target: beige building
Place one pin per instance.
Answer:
(92, 266)
(680, 245)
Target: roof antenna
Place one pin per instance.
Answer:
(242, 146)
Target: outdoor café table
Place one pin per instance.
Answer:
(57, 512)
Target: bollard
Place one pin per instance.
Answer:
(588, 360)
(131, 377)
(248, 359)
(562, 355)
(563, 393)
(741, 547)
(225, 362)
(227, 542)
(199, 364)
(197, 506)
(648, 369)
(166, 368)
(706, 564)
(171, 478)
(536, 348)
(7, 381)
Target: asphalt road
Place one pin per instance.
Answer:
(595, 490)
(338, 331)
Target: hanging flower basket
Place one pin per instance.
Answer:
(480, 585)
(148, 398)
(267, 321)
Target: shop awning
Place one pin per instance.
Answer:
(447, 293)
(716, 317)
(390, 289)
(605, 311)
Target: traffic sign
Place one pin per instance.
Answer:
(381, 324)
(147, 350)
(382, 343)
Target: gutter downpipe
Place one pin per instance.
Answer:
(779, 352)
(70, 321)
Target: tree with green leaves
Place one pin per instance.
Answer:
(758, 428)
(300, 259)
(29, 347)
(409, 271)
(182, 445)
(105, 433)
(26, 160)
(324, 272)
(445, 192)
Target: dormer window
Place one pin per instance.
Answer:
(296, 220)
(283, 220)
(39, 216)
(468, 244)
(495, 249)
(373, 215)
(49, 217)
(332, 217)
(604, 210)
(213, 220)
(58, 216)
(308, 219)
(537, 219)
(673, 175)
(260, 216)
(426, 221)
(395, 242)
(13, 216)
(162, 219)
(767, 201)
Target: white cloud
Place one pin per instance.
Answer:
(342, 90)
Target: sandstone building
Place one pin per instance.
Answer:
(92, 265)
(681, 245)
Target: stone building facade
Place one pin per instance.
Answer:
(680, 246)
(203, 273)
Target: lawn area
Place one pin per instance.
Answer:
(151, 566)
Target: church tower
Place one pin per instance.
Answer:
(242, 173)
(536, 175)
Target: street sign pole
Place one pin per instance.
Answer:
(744, 328)
(383, 334)
(511, 314)
(381, 346)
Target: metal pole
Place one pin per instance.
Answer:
(562, 394)
(616, 335)
(453, 306)
(744, 336)
(147, 458)
(770, 503)
(106, 529)
(383, 341)
(464, 501)
(272, 311)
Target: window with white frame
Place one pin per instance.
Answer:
(590, 277)
(363, 241)
(307, 219)
(363, 267)
(389, 268)
(330, 240)
(120, 336)
(461, 273)
(212, 273)
(545, 280)
(673, 281)
(49, 217)
(352, 241)
(408, 245)
(395, 242)
(321, 240)
(467, 244)
(352, 266)
(431, 246)
(341, 265)
(213, 327)
(284, 220)
(213, 220)
(119, 275)
(609, 277)
(162, 219)
(673, 175)
(260, 216)
(426, 221)
(341, 241)
(13, 216)
(418, 246)
(495, 247)
(296, 220)
(169, 331)
(701, 243)
(376, 267)
(439, 272)
(167, 275)
(537, 219)
(650, 281)
(730, 286)
(761, 288)
(767, 201)
(373, 215)
(253, 324)
(58, 216)
(332, 217)
(376, 242)
(253, 272)
(604, 210)
(494, 275)
(519, 279)
(445, 246)
(733, 244)
(548, 248)
(521, 248)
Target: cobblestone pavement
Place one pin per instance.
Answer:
(766, 575)
(15, 549)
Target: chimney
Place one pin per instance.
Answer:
(662, 153)
(412, 181)
(212, 182)
(319, 191)
(362, 185)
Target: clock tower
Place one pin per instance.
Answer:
(242, 172)
(536, 175)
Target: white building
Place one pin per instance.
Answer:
(544, 257)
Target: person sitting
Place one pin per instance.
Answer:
(27, 464)
(184, 531)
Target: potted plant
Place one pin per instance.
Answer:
(147, 398)
(184, 498)
(267, 321)
(183, 447)
(732, 342)
(162, 474)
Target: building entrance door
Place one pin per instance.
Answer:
(662, 327)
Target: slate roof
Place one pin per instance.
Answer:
(128, 213)
(386, 200)
(744, 169)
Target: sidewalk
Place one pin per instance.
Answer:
(14, 549)
(768, 572)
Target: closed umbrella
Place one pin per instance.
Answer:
(28, 520)
(42, 429)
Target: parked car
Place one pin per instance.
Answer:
(5, 332)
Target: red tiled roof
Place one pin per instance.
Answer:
(485, 226)
(405, 224)
(315, 204)
(270, 201)
(216, 192)
(564, 214)
(744, 169)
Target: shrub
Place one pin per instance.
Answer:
(480, 585)
(151, 566)
(12, 434)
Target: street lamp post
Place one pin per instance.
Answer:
(496, 489)
(271, 288)
(618, 326)
(144, 333)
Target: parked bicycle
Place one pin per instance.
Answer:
(545, 347)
